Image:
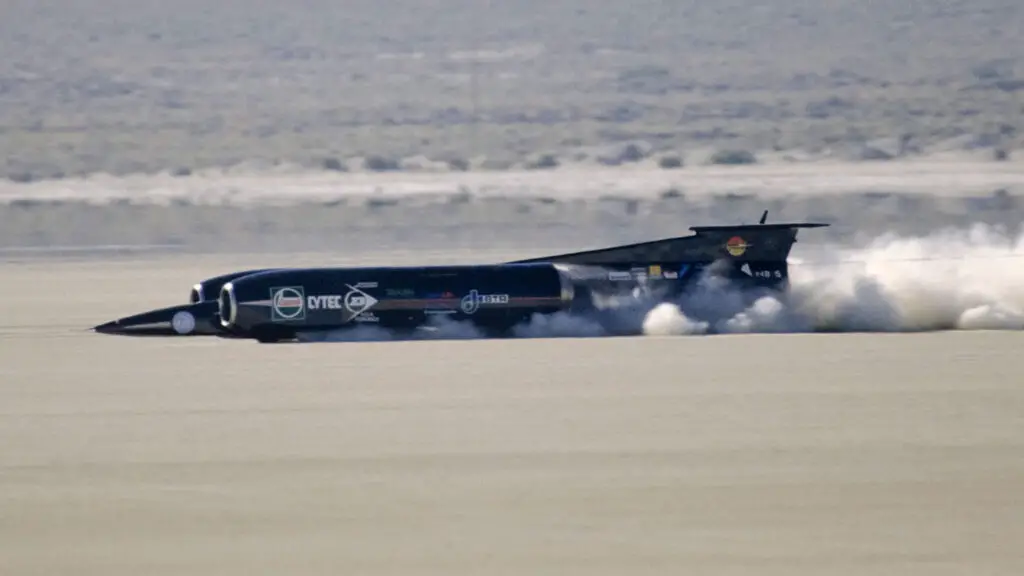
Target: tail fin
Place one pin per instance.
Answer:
(756, 253)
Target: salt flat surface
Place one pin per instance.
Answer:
(744, 454)
(298, 210)
(219, 187)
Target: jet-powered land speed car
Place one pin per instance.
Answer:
(276, 304)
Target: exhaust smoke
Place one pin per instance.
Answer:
(951, 280)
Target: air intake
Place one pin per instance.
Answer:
(227, 306)
(196, 295)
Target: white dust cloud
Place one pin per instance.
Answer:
(439, 328)
(667, 319)
(955, 280)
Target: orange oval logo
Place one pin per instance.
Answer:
(736, 246)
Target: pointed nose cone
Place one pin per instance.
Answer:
(109, 328)
(186, 320)
(135, 326)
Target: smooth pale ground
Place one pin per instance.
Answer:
(942, 175)
(843, 454)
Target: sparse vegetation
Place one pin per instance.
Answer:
(872, 153)
(380, 164)
(272, 87)
(333, 164)
(458, 164)
(543, 162)
(733, 157)
(375, 203)
(670, 162)
(634, 152)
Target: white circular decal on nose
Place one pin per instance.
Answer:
(183, 322)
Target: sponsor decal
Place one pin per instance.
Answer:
(640, 274)
(287, 303)
(619, 276)
(183, 322)
(671, 274)
(324, 302)
(683, 269)
(399, 292)
(654, 271)
(358, 302)
(736, 246)
(768, 274)
(471, 302)
(493, 298)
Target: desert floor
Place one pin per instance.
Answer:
(746, 454)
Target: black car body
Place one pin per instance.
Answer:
(277, 304)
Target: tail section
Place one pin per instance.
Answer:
(753, 252)
(742, 242)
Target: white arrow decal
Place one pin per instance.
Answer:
(357, 302)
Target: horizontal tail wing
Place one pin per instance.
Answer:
(758, 227)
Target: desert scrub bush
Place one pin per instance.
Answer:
(458, 164)
(543, 162)
(377, 163)
(333, 164)
(670, 162)
(733, 157)
(630, 153)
